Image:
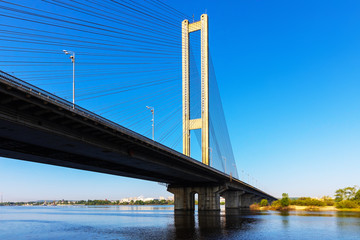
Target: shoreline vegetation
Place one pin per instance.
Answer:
(346, 199)
(88, 203)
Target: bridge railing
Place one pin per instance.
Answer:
(60, 102)
(47, 96)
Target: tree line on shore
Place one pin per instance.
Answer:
(132, 202)
(345, 198)
(91, 202)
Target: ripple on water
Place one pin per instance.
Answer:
(160, 222)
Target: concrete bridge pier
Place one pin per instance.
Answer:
(246, 200)
(233, 199)
(184, 197)
(257, 199)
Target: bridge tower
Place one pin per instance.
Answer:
(203, 122)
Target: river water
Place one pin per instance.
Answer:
(160, 222)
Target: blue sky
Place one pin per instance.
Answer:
(288, 73)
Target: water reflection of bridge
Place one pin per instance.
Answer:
(211, 224)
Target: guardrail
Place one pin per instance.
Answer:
(52, 98)
(47, 96)
(60, 102)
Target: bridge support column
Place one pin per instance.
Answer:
(209, 199)
(257, 199)
(184, 197)
(246, 200)
(233, 199)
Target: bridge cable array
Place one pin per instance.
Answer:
(128, 56)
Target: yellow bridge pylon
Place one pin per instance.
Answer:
(203, 122)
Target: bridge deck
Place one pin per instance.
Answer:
(41, 127)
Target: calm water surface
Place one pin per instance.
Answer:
(160, 222)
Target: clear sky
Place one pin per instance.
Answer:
(289, 76)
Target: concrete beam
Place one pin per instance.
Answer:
(41, 112)
(8, 100)
(184, 197)
(26, 106)
(246, 200)
(233, 199)
(55, 117)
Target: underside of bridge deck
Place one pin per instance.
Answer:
(209, 197)
(34, 129)
(46, 129)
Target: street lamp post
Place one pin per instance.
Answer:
(234, 167)
(225, 163)
(211, 160)
(72, 57)
(152, 109)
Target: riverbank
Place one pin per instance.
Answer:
(306, 208)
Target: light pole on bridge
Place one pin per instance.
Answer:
(72, 57)
(225, 163)
(234, 167)
(152, 109)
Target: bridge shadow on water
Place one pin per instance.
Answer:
(211, 225)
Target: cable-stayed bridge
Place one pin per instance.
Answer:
(129, 56)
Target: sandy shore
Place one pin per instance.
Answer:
(314, 208)
(307, 208)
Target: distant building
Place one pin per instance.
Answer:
(140, 198)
